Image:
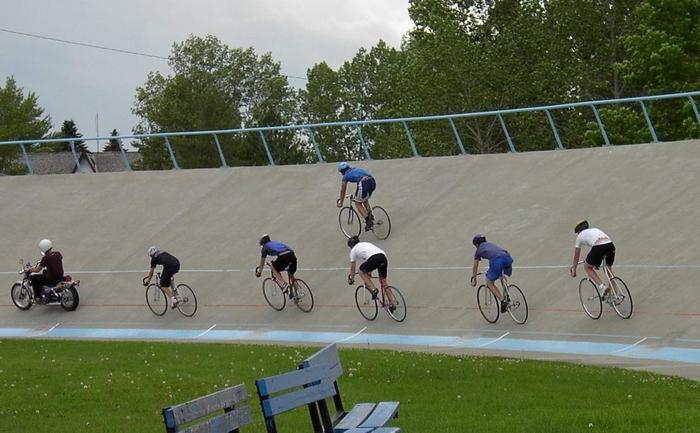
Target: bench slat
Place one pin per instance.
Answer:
(197, 408)
(292, 400)
(223, 423)
(382, 414)
(269, 385)
(373, 430)
(327, 355)
(355, 417)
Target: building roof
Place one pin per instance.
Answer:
(63, 163)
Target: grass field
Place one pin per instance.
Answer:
(75, 386)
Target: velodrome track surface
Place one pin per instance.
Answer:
(645, 196)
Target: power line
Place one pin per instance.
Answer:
(101, 47)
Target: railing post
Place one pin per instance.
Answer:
(267, 149)
(457, 137)
(410, 138)
(221, 154)
(554, 129)
(505, 131)
(695, 108)
(172, 155)
(75, 157)
(313, 141)
(600, 125)
(646, 116)
(26, 159)
(126, 160)
(362, 141)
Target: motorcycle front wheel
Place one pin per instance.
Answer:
(21, 296)
(70, 299)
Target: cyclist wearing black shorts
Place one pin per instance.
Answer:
(171, 266)
(373, 259)
(286, 260)
(601, 245)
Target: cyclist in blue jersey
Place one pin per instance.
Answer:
(365, 186)
(286, 260)
(500, 262)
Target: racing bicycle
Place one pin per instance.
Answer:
(389, 298)
(490, 307)
(276, 296)
(619, 297)
(157, 300)
(351, 223)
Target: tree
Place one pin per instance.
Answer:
(216, 87)
(20, 118)
(68, 130)
(113, 144)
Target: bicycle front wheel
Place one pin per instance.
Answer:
(367, 306)
(156, 300)
(517, 305)
(350, 223)
(488, 304)
(396, 304)
(382, 223)
(186, 300)
(273, 294)
(303, 298)
(590, 298)
(621, 298)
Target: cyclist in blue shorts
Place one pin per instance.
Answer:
(365, 186)
(286, 260)
(500, 262)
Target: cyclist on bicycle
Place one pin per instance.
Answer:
(171, 266)
(286, 260)
(373, 258)
(601, 246)
(500, 262)
(365, 186)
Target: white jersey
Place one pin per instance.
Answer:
(363, 251)
(592, 237)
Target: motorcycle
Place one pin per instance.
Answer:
(64, 293)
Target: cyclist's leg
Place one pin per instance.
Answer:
(167, 282)
(383, 269)
(593, 261)
(495, 271)
(279, 265)
(291, 270)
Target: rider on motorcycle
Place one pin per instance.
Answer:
(49, 271)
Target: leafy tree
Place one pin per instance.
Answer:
(68, 130)
(113, 144)
(217, 87)
(20, 118)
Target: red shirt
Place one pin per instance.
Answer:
(53, 261)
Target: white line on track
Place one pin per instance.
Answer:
(203, 333)
(630, 346)
(50, 329)
(352, 336)
(494, 340)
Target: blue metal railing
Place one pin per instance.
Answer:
(358, 124)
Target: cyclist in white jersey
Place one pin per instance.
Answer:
(601, 246)
(372, 258)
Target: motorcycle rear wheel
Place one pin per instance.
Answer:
(70, 299)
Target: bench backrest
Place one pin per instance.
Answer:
(228, 421)
(329, 356)
(304, 387)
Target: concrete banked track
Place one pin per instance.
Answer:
(645, 196)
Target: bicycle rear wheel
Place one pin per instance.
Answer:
(156, 300)
(350, 222)
(517, 305)
(399, 303)
(590, 298)
(621, 298)
(274, 296)
(382, 223)
(303, 298)
(186, 300)
(367, 306)
(488, 304)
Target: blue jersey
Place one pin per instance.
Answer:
(355, 174)
(274, 248)
(490, 251)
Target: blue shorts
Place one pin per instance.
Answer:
(499, 266)
(365, 188)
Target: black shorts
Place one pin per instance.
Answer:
(286, 262)
(377, 261)
(167, 275)
(595, 256)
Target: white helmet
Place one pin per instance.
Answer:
(45, 245)
(152, 250)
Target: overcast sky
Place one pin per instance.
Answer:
(75, 82)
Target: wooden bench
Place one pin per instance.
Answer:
(315, 381)
(219, 412)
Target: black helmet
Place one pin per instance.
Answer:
(353, 241)
(580, 226)
(478, 239)
(264, 239)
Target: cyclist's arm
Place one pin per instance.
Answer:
(343, 188)
(351, 276)
(260, 266)
(574, 265)
(150, 275)
(475, 269)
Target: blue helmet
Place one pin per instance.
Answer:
(343, 166)
(478, 239)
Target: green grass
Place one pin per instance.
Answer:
(76, 386)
